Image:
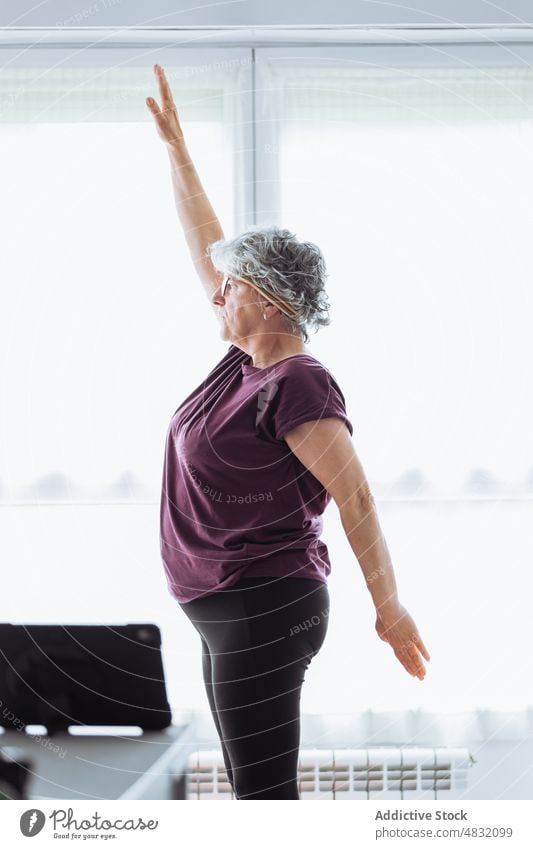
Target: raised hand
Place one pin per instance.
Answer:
(166, 116)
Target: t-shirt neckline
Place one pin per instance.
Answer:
(248, 368)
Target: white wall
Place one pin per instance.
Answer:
(101, 13)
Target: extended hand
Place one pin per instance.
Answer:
(399, 630)
(166, 117)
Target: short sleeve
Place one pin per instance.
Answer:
(307, 391)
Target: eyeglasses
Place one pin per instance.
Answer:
(274, 299)
(223, 285)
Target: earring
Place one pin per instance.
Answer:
(264, 316)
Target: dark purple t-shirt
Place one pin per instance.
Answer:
(235, 501)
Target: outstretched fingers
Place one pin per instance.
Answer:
(408, 653)
(164, 88)
(417, 639)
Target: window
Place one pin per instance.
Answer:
(411, 167)
(416, 182)
(102, 286)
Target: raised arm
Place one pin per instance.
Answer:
(200, 224)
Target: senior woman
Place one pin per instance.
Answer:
(252, 458)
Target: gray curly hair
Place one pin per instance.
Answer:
(274, 258)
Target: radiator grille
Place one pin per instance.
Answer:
(394, 771)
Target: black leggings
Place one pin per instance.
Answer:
(258, 638)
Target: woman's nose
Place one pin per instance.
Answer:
(217, 297)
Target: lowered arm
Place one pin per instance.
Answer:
(325, 448)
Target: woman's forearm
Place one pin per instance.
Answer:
(198, 219)
(361, 525)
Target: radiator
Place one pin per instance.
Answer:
(401, 772)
